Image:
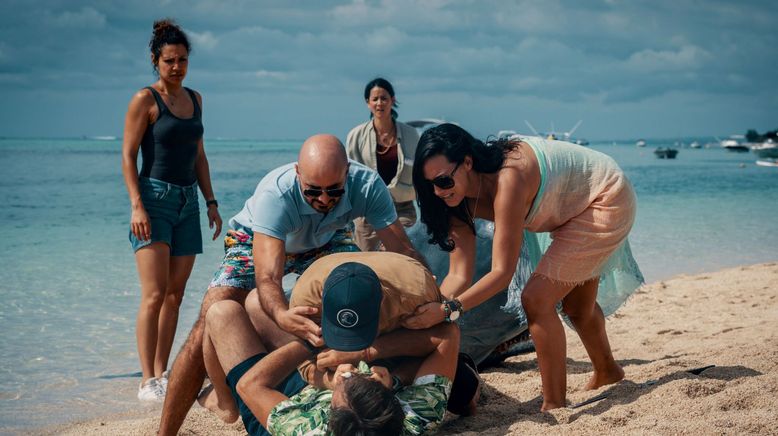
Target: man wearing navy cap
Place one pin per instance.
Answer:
(271, 395)
(351, 289)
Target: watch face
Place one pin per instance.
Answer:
(454, 315)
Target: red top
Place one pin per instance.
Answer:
(386, 164)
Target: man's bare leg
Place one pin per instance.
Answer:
(188, 371)
(223, 406)
(219, 398)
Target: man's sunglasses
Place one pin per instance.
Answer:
(316, 192)
(445, 181)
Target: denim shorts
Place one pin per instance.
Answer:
(174, 214)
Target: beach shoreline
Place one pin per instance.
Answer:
(728, 318)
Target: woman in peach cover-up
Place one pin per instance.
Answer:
(578, 195)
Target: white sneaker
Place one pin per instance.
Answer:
(163, 380)
(151, 390)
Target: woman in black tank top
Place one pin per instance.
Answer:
(164, 122)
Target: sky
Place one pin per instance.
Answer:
(289, 69)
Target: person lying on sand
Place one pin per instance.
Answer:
(260, 362)
(405, 285)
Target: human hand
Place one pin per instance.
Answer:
(425, 316)
(382, 375)
(296, 322)
(140, 224)
(330, 358)
(214, 219)
(342, 372)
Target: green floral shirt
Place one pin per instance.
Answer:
(307, 413)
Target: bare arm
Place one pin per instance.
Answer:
(459, 278)
(511, 205)
(257, 386)
(461, 261)
(204, 182)
(396, 240)
(269, 257)
(443, 358)
(400, 342)
(135, 123)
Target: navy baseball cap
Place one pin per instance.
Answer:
(351, 305)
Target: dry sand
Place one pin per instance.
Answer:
(728, 319)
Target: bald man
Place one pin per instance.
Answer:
(298, 213)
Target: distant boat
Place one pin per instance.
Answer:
(508, 134)
(666, 153)
(695, 144)
(562, 136)
(766, 150)
(732, 145)
(641, 143)
(425, 124)
(767, 163)
(103, 138)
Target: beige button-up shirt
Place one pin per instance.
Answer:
(361, 146)
(406, 285)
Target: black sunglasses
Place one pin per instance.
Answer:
(332, 192)
(445, 181)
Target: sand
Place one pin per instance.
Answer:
(728, 319)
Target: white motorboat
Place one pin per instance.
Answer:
(732, 143)
(767, 163)
(426, 123)
(560, 136)
(766, 150)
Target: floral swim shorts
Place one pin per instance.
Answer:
(237, 268)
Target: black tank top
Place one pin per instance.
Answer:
(169, 146)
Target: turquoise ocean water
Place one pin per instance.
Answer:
(69, 290)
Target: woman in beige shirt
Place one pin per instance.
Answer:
(387, 146)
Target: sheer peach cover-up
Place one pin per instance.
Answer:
(586, 204)
(578, 225)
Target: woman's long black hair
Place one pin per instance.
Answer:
(455, 143)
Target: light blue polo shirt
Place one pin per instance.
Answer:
(278, 208)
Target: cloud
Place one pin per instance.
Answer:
(264, 74)
(205, 40)
(404, 14)
(13, 79)
(560, 53)
(687, 57)
(356, 12)
(86, 18)
(386, 38)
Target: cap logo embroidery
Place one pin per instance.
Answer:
(347, 318)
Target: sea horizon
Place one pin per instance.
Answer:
(708, 138)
